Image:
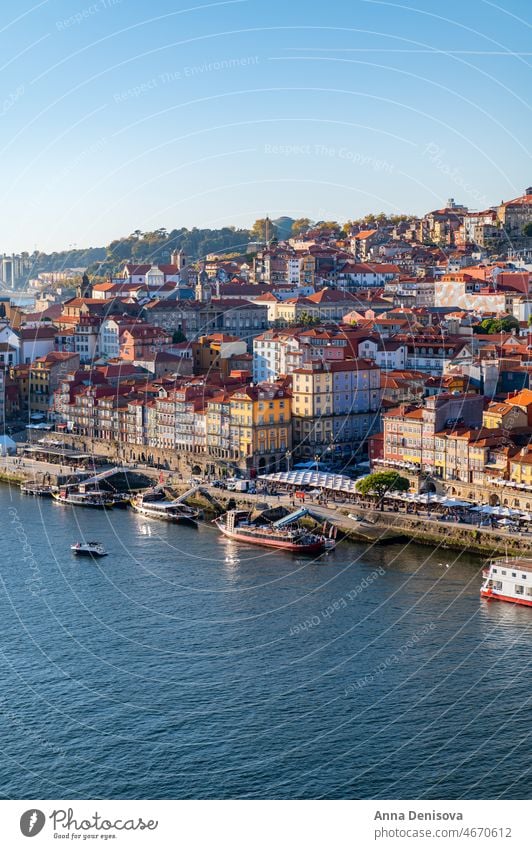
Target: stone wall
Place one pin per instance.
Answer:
(186, 463)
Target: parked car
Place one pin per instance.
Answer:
(238, 485)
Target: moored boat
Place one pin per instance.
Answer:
(154, 507)
(36, 489)
(74, 498)
(508, 580)
(236, 525)
(88, 549)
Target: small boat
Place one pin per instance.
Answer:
(153, 505)
(75, 498)
(236, 525)
(508, 580)
(36, 489)
(88, 549)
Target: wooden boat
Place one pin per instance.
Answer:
(74, 498)
(36, 489)
(236, 525)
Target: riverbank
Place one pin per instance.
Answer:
(378, 527)
(387, 527)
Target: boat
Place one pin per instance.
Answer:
(75, 498)
(508, 580)
(88, 549)
(236, 525)
(36, 489)
(153, 505)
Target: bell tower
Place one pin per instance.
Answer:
(179, 259)
(203, 286)
(84, 288)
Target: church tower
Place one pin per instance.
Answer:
(84, 288)
(203, 286)
(179, 259)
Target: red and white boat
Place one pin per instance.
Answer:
(508, 580)
(237, 526)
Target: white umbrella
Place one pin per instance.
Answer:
(455, 502)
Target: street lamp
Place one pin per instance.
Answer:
(317, 460)
(288, 459)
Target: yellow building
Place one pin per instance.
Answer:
(260, 425)
(521, 467)
(307, 267)
(44, 376)
(505, 416)
(215, 352)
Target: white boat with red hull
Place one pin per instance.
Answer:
(508, 580)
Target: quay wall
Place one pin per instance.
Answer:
(393, 527)
(388, 526)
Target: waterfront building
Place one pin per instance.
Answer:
(336, 406)
(410, 431)
(260, 423)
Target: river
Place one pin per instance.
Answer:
(187, 666)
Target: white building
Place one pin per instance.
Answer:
(110, 338)
(388, 355)
(9, 346)
(36, 342)
(269, 355)
(87, 338)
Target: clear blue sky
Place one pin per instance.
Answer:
(121, 114)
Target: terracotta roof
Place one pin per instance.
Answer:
(524, 200)
(521, 399)
(36, 333)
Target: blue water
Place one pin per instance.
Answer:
(183, 666)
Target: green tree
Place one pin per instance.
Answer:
(263, 230)
(380, 483)
(301, 225)
(527, 229)
(328, 226)
(178, 336)
(307, 319)
(498, 325)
